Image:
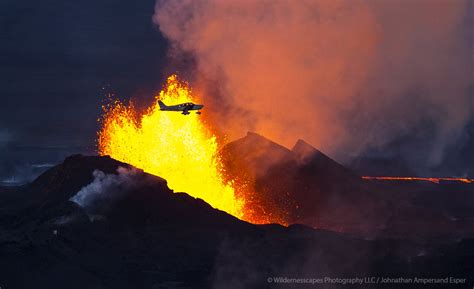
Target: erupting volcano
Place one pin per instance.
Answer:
(305, 143)
(181, 149)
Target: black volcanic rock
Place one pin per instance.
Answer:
(150, 237)
(63, 181)
(318, 161)
(139, 201)
(255, 154)
(304, 151)
(303, 185)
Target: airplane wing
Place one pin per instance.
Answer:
(187, 108)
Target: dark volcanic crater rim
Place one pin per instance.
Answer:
(151, 237)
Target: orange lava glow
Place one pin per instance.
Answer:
(179, 148)
(433, 180)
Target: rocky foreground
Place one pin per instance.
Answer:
(93, 222)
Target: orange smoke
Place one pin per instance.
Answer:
(338, 73)
(433, 180)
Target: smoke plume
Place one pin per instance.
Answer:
(345, 75)
(105, 189)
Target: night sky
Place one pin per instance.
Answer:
(55, 59)
(58, 59)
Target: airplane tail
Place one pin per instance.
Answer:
(162, 105)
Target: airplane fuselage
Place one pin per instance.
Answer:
(183, 107)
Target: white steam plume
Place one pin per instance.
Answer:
(105, 188)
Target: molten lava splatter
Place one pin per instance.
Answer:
(179, 148)
(433, 180)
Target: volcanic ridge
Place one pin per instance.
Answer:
(94, 222)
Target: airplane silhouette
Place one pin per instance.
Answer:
(183, 107)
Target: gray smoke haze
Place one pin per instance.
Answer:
(105, 189)
(344, 75)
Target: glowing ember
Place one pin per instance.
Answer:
(433, 180)
(179, 148)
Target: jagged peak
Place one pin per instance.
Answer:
(303, 145)
(260, 141)
(254, 135)
(304, 150)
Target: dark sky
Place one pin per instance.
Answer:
(55, 58)
(57, 55)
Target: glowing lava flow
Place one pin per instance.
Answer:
(176, 147)
(433, 180)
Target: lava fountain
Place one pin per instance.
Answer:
(179, 148)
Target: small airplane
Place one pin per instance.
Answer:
(184, 107)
